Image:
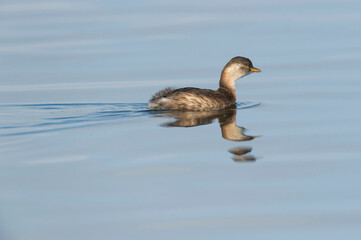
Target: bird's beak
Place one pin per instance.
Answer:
(255, 69)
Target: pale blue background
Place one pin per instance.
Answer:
(109, 171)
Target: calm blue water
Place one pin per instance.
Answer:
(82, 157)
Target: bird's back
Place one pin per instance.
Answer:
(189, 98)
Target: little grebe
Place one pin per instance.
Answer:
(196, 99)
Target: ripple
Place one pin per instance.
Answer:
(24, 119)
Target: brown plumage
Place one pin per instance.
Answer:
(196, 99)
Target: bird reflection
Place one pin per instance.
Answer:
(227, 122)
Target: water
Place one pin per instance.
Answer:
(83, 158)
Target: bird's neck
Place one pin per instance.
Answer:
(228, 81)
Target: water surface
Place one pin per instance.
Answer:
(83, 158)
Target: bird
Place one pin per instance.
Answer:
(197, 99)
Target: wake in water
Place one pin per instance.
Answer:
(40, 118)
